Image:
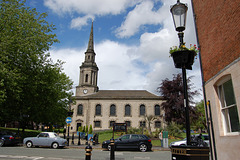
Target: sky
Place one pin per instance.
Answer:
(132, 39)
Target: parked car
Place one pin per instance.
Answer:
(8, 138)
(49, 139)
(130, 141)
(193, 137)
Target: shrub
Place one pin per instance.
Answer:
(90, 129)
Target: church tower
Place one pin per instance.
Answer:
(88, 71)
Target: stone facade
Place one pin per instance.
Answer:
(217, 23)
(102, 108)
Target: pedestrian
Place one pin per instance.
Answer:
(161, 138)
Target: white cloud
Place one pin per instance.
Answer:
(89, 8)
(79, 22)
(141, 15)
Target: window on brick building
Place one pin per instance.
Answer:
(111, 123)
(98, 110)
(157, 124)
(142, 110)
(228, 106)
(157, 110)
(142, 124)
(112, 110)
(80, 109)
(97, 124)
(128, 123)
(127, 110)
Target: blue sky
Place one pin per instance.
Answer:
(131, 40)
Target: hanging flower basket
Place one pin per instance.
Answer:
(183, 57)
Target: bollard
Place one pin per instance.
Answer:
(88, 154)
(79, 143)
(112, 155)
(73, 138)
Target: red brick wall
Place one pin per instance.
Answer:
(218, 25)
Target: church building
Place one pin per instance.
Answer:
(103, 108)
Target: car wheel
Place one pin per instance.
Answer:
(143, 147)
(1, 142)
(29, 144)
(55, 145)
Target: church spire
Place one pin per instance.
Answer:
(90, 43)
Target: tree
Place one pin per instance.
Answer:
(150, 119)
(32, 87)
(200, 121)
(172, 92)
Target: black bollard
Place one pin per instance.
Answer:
(88, 154)
(112, 155)
(72, 138)
(79, 143)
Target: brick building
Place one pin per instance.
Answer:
(217, 24)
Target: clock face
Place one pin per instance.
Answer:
(85, 91)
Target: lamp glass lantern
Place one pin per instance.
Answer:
(179, 13)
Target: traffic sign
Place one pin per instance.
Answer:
(68, 120)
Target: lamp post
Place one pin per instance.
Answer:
(70, 113)
(179, 14)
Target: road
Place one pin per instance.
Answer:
(22, 153)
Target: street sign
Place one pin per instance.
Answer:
(68, 125)
(120, 127)
(68, 120)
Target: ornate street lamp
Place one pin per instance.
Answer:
(179, 14)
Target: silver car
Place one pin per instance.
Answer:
(49, 139)
(184, 141)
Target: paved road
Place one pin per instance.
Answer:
(22, 153)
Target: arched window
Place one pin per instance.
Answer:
(112, 110)
(80, 109)
(157, 110)
(127, 110)
(86, 79)
(142, 110)
(98, 110)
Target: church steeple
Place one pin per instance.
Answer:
(88, 71)
(90, 42)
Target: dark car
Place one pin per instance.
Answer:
(130, 141)
(8, 138)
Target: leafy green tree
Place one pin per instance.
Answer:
(32, 88)
(172, 92)
(200, 121)
(149, 119)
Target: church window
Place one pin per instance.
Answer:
(97, 124)
(86, 79)
(80, 109)
(127, 110)
(98, 110)
(111, 123)
(142, 110)
(157, 110)
(88, 56)
(157, 124)
(112, 110)
(128, 123)
(142, 124)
